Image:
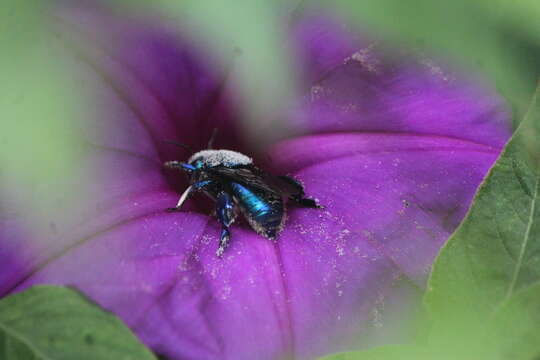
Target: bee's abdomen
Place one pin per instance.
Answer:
(264, 211)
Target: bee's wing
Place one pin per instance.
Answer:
(257, 179)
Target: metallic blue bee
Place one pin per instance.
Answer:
(236, 184)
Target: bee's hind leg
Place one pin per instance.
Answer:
(306, 202)
(298, 196)
(225, 214)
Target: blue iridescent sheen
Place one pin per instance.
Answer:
(224, 209)
(188, 167)
(262, 210)
(255, 204)
(201, 184)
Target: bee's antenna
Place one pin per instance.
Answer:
(212, 138)
(187, 147)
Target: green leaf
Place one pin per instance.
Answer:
(52, 323)
(391, 352)
(515, 327)
(496, 250)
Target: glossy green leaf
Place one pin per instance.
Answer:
(496, 250)
(58, 323)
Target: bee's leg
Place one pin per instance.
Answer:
(299, 196)
(188, 192)
(225, 215)
(306, 202)
(179, 165)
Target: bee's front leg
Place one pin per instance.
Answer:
(188, 192)
(178, 165)
(226, 215)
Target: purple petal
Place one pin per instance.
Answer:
(161, 275)
(403, 193)
(324, 277)
(355, 85)
(323, 43)
(396, 151)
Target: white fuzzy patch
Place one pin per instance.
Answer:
(221, 157)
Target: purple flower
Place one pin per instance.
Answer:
(393, 147)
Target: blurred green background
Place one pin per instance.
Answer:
(40, 108)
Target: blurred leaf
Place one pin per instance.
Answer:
(39, 109)
(52, 322)
(523, 14)
(496, 250)
(36, 108)
(515, 327)
(498, 38)
(391, 352)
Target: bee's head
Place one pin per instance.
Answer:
(206, 159)
(191, 166)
